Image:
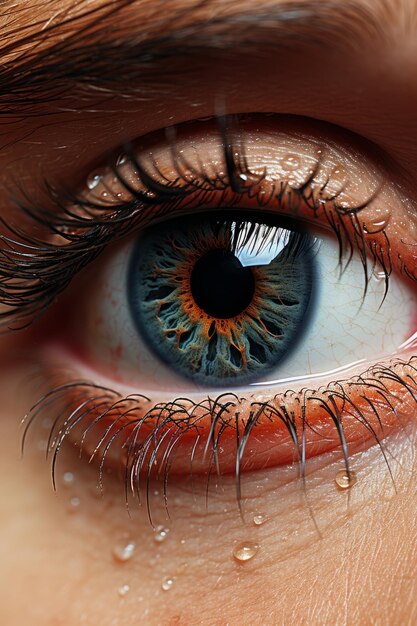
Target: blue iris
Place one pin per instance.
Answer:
(222, 300)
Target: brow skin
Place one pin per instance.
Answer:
(99, 49)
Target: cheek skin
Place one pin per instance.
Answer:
(62, 562)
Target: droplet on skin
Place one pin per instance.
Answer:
(245, 551)
(167, 584)
(123, 552)
(68, 479)
(123, 590)
(290, 162)
(258, 520)
(377, 225)
(74, 504)
(161, 534)
(93, 181)
(344, 480)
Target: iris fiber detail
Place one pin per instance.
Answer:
(220, 299)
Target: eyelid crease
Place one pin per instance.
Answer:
(214, 434)
(34, 270)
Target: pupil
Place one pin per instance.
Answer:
(221, 285)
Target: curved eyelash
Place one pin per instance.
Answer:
(35, 269)
(92, 404)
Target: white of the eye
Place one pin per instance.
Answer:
(344, 329)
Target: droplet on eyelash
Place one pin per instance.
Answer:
(161, 534)
(123, 590)
(167, 584)
(245, 551)
(121, 159)
(290, 162)
(344, 480)
(93, 180)
(258, 520)
(68, 479)
(74, 504)
(379, 276)
(123, 552)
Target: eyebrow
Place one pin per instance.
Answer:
(94, 50)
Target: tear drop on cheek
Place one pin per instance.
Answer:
(345, 480)
(123, 590)
(124, 551)
(68, 479)
(245, 551)
(74, 504)
(161, 534)
(167, 584)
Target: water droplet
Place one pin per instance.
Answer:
(123, 590)
(243, 177)
(74, 504)
(245, 551)
(377, 225)
(93, 180)
(160, 534)
(344, 480)
(290, 162)
(124, 551)
(379, 276)
(122, 158)
(68, 479)
(258, 520)
(167, 584)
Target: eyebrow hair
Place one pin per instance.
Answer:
(95, 51)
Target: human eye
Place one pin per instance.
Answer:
(242, 315)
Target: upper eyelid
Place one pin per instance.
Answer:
(53, 264)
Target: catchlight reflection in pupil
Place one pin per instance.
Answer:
(222, 300)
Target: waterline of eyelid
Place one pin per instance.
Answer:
(282, 381)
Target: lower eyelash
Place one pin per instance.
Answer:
(380, 394)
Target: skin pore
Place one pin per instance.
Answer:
(324, 555)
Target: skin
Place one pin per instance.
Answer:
(325, 556)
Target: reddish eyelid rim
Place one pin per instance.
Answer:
(270, 443)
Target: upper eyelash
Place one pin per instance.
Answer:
(34, 271)
(223, 414)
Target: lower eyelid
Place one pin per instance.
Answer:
(144, 436)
